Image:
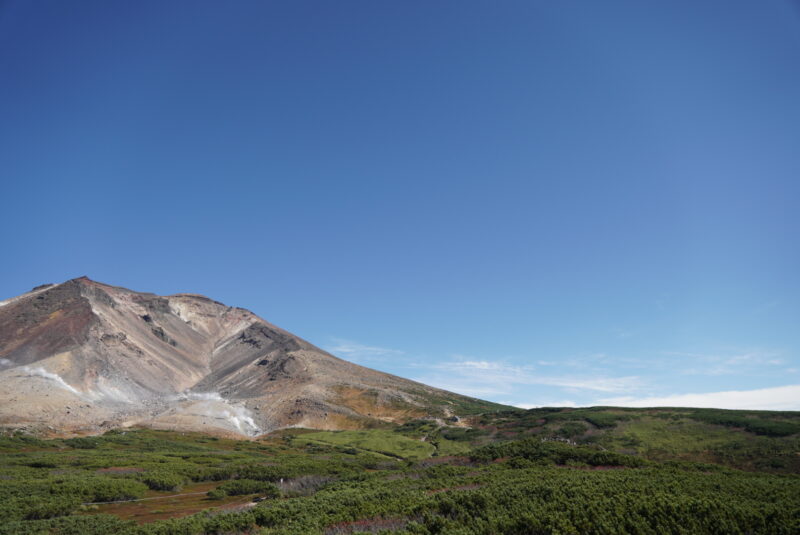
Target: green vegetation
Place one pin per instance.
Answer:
(572, 430)
(548, 453)
(163, 480)
(544, 471)
(760, 423)
(239, 487)
(377, 441)
(461, 405)
(748, 440)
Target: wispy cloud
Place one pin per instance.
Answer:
(593, 378)
(775, 398)
(624, 334)
(598, 363)
(357, 352)
(767, 306)
(563, 403)
(730, 363)
(491, 377)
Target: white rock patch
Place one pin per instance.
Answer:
(105, 392)
(213, 405)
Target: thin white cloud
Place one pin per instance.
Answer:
(714, 364)
(564, 403)
(601, 384)
(599, 362)
(766, 307)
(624, 334)
(357, 352)
(775, 398)
(489, 377)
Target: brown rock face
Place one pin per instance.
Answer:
(81, 357)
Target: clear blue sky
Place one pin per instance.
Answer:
(533, 202)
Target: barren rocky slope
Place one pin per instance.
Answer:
(82, 356)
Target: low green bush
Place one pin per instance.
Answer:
(239, 487)
(163, 480)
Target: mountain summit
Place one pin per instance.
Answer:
(82, 357)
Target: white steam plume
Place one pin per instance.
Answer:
(41, 372)
(237, 415)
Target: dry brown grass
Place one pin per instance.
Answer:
(171, 507)
(368, 403)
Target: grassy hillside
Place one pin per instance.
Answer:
(380, 442)
(749, 440)
(599, 470)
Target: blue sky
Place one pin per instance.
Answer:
(537, 203)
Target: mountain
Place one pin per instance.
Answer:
(82, 356)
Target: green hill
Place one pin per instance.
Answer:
(750, 440)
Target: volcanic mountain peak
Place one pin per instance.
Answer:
(83, 356)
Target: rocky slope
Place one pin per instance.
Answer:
(82, 357)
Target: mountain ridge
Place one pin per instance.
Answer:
(84, 356)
